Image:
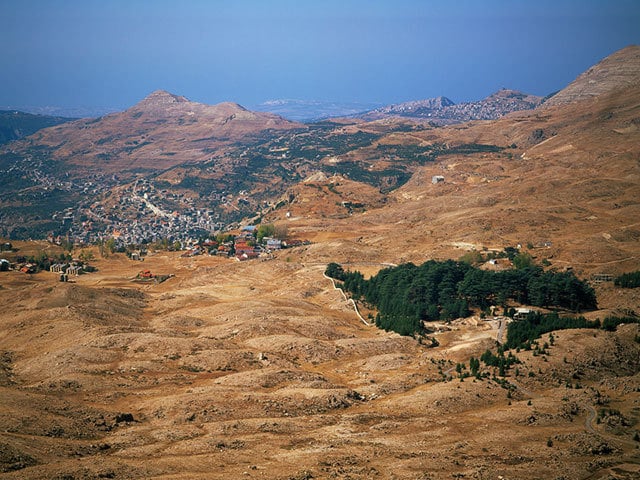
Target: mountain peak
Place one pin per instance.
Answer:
(508, 93)
(164, 96)
(231, 106)
(443, 101)
(163, 102)
(161, 98)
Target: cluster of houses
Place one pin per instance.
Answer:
(67, 269)
(243, 246)
(64, 269)
(142, 213)
(5, 265)
(21, 265)
(143, 226)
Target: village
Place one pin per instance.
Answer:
(246, 243)
(140, 213)
(90, 209)
(250, 243)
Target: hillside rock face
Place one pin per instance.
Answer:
(620, 69)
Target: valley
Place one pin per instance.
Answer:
(185, 365)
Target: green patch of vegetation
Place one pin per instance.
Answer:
(7, 159)
(414, 153)
(14, 125)
(386, 180)
(202, 185)
(408, 294)
(259, 162)
(102, 141)
(162, 184)
(135, 146)
(610, 324)
(628, 280)
(16, 181)
(500, 360)
(321, 144)
(520, 333)
(429, 153)
(469, 148)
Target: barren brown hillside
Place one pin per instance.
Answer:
(260, 369)
(159, 132)
(619, 70)
(568, 180)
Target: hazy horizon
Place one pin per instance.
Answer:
(112, 54)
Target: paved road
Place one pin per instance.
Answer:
(588, 422)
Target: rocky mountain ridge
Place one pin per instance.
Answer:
(416, 107)
(443, 111)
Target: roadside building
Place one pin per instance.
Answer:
(74, 270)
(274, 244)
(522, 313)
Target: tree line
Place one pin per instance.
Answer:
(522, 332)
(407, 295)
(628, 280)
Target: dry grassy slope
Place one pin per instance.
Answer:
(259, 369)
(619, 70)
(329, 197)
(161, 131)
(572, 180)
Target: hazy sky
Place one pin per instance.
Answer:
(113, 53)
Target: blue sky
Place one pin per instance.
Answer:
(114, 53)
